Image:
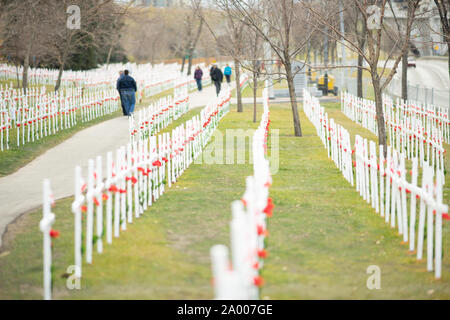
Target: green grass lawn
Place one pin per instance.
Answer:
(323, 236)
(16, 157)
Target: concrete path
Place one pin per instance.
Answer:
(21, 191)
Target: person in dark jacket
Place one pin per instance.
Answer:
(198, 74)
(127, 88)
(217, 77)
(117, 87)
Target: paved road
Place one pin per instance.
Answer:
(21, 191)
(429, 73)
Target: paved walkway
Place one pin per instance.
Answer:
(21, 191)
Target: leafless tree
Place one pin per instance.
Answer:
(228, 32)
(21, 34)
(121, 13)
(274, 21)
(373, 12)
(443, 7)
(61, 41)
(193, 25)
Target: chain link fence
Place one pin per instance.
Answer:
(419, 93)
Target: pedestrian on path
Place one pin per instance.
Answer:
(217, 77)
(227, 72)
(121, 99)
(198, 74)
(127, 88)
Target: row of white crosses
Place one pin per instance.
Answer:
(99, 104)
(415, 133)
(36, 114)
(240, 279)
(151, 120)
(384, 185)
(429, 115)
(135, 177)
(417, 130)
(102, 77)
(335, 138)
(359, 110)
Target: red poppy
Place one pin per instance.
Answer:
(96, 201)
(261, 231)
(113, 188)
(104, 197)
(54, 233)
(157, 163)
(258, 281)
(262, 254)
(268, 210)
(83, 208)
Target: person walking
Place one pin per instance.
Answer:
(120, 94)
(217, 77)
(198, 74)
(227, 73)
(127, 88)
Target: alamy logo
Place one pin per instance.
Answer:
(374, 280)
(235, 147)
(74, 20)
(73, 281)
(374, 20)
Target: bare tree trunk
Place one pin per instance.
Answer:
(405, 61)
(191, 53)
(361, 44)
(58, 82)
(295, 116)
(360, 77)
(405, 75)
(255, 89)
(63, 61)
(194, 45)
(26, 64)
(379, 108)
(237, 72)
(183, 62)
(448, 52)
(108, 59)
(17, 75)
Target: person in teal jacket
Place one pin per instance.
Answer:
(227, 73)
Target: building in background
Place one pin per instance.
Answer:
(426, 36)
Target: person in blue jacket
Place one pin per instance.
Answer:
(127, 88)
(227, 73)
(121, 100)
